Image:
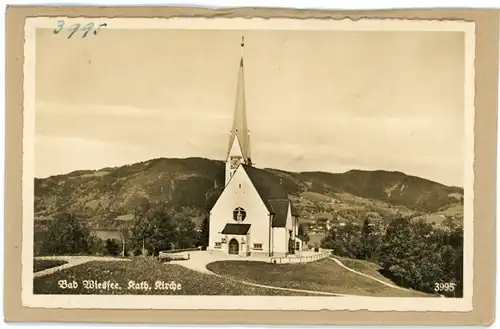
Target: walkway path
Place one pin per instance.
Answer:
(71, 261)
(198, 260)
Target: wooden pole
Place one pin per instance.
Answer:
(123, 244)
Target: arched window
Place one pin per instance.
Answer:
(239, 214)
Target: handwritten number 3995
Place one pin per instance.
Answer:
(75, 27)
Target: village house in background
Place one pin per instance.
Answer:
(253, 215)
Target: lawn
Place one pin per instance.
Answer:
(139, 271)
(365, 267)
(43, 264)
(324, 275)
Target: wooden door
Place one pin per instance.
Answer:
(234, 247)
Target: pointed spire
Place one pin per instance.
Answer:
(249, 155)
(240, 128)
(242, 44)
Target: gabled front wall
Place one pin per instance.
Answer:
(240, 192)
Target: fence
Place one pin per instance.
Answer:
(176, 254)
(173, 251)
(300, 259)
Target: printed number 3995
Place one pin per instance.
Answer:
(447, 286)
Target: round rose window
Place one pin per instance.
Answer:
(239, 214)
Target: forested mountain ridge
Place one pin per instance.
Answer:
(192, 185)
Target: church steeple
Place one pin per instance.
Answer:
(239, 131)
(240, 128)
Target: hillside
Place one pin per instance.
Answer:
(192, 185)
(394, 188)
(188, 184)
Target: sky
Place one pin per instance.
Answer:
(316, 100)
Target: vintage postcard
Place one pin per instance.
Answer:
(248, 164)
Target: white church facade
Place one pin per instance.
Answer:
(253, 215)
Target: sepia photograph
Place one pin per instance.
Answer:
(246, 161)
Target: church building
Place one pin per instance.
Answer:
(253, 215)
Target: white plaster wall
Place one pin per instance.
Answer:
(296, 226)
(240, 192)
(280, 240)
(290, 222)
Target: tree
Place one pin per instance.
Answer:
(367, 245)
(152, 228)
(300, 230)
(396, 252)
(329, 240)
(155, 228)
(112, 247)
(97, 246)
(66, 236)
(395, 243)
(413, 252)
(204, 233)
(185, 235)
(452, 254)
(344, 241)
(301, 234)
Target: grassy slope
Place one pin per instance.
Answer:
(365, 268)
(193, 283)
(43, 264)
(324, 275)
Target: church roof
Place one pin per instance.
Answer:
(280, 212)
(271, 191)
(267, 185)
(236, 229)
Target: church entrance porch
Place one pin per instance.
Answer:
(234, 247)
(236, 236)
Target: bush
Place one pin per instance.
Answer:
(112, 247)
(97, 247)
(66, 236)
